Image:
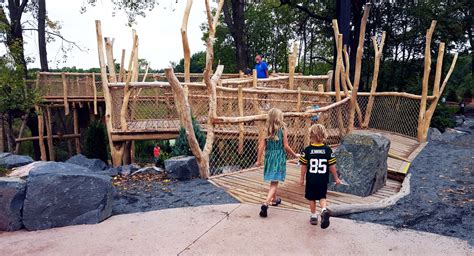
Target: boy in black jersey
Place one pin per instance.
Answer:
(317, 160)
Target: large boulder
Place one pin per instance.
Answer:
(93, 164)
(8, 160)
(182, 167)
(362, 163)
(24, 171)
(62, 194)
(12, 196)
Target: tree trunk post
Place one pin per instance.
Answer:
(115, 152)
(373, 87)
(184, 36)
(49, 133)
(240, 98)
(426, 74)
(358, 66)
(41, 133)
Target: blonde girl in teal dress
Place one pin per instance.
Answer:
(275, 147)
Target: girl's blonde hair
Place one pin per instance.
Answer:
(318, 133)
(274, 122)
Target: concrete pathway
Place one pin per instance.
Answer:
(227, 229)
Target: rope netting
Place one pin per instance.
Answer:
(235, 146)
(396, 114)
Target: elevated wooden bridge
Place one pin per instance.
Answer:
(151, 114)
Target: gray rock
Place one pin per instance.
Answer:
(4, 154)
(148, 170)
(434, 134)
(93, 164)
(8, 160)
(114, 171)
(12, 196)
(231, 168)
(63, 194)
(362, 162)
(182, 167)
(126, 170)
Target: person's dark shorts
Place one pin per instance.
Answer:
(316, 191)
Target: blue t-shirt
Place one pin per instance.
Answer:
(261, 69)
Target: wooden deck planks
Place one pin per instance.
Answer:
(249, 187)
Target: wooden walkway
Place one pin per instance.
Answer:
(248, 185)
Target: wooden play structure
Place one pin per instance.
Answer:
(231, 110)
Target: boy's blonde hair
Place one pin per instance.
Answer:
(318, 133)
(274, 122)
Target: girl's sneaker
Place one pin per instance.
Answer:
(276, 202)
(313, 220)
(263, 211)
(324, 219)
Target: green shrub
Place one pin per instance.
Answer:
(96, 141)
(181, 147)
(442, 118)
(467, 93)
(452, 96)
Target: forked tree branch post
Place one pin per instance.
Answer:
(184, 36)
(358, 66)
(373, 88)
(182, 102)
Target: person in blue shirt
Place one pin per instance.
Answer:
(261, 67)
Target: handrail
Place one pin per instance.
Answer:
(263, 117)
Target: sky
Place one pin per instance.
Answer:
(159, 32)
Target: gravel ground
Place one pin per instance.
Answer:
(442, 189)
(150, 192)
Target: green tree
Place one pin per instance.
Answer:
(198, 61)
(182, 146)
(16, 98)
(96, 141)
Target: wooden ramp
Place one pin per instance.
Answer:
(248, 186)
(402, 152)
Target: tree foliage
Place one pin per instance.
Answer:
(96, 141)
(181, 147)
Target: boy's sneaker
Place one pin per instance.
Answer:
(313, 220)
(324, 219)
(263, 211)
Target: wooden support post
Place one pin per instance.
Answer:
(337, 84)
(434, 103)
(49, 134)
(122, 69)
(378, 54)
(132, 152)
(116, 152)
(184, 38)
(329, 81)
(109, 46)
(133, 66)
(94, 89)
(292, 66)
(41, 133)
(65, 94)
(240, 98)
(254, 78)
(241, 74)
(76, 130)
(298, 100)
(358, 66)
(426, 74)
(24, 118)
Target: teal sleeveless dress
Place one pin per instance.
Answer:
(275, 159)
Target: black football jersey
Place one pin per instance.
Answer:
(317, 158)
